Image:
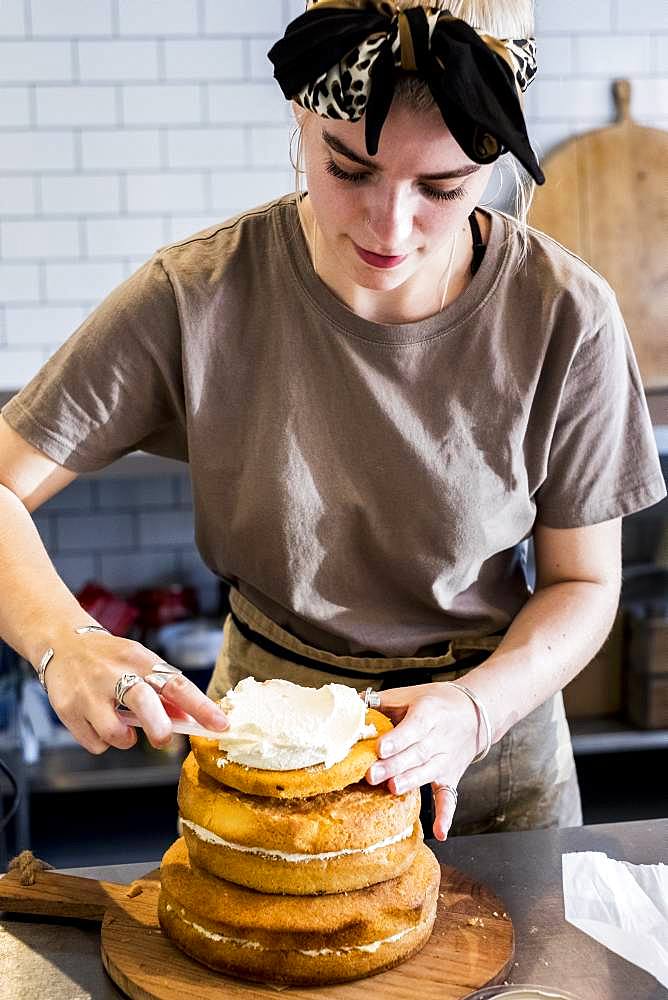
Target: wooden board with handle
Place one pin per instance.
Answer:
(606, 198)
(472, 944)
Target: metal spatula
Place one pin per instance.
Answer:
(187, 726)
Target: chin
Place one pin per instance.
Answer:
(377, 282)
(373, 278)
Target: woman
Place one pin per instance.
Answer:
(383, 391)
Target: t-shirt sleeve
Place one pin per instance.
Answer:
(603, 461)
(115, 386)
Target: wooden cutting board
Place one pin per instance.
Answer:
(606, 198)
(472, 944)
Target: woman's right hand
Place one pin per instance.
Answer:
(81, 678)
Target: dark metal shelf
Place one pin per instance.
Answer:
(613, 735)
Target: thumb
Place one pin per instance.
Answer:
(395, 702)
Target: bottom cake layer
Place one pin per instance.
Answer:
(304, 940)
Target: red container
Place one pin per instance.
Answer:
(163, 605)
(113, 612)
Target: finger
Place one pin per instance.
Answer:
(86, 735)
(114, 732)
(395, 702)
(110, 729)
(444, 808)
(414, 777)
(417, 755)
(180, 693)
(393, 713)
(147, 706)
(416, 724)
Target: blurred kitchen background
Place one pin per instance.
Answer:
(127, 125)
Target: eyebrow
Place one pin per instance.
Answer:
(446, 175)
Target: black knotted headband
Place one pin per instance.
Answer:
(340, 59)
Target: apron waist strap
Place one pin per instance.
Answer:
(284, 653)
(459, 656)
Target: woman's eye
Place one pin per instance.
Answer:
(443, 195)
(335, 170)
(356, 178)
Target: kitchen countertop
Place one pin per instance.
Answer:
(57, 960)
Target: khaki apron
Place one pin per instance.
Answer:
(527, 780)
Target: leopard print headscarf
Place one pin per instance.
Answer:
(340, 59)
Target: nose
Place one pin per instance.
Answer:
(390, 221)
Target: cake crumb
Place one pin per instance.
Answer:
(134, 890)
(475, 922)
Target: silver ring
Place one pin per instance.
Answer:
(160, 673)
(451, 789)
(371, 698)
(123, 685)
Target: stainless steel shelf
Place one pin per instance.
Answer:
(613, 735)
(73, 769)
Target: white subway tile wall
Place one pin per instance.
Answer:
(13, 20)
(175, 17)
(126, 125)
(64, 282)
(126, 534)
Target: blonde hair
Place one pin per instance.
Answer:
(501, 18)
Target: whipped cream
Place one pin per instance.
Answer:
(280, 726)
(371, 947)
(245, 943)
(212, 838)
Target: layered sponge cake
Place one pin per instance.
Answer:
(298, 874)
(296, 939)
(326, 843)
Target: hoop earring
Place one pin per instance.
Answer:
(486, 204)
(448, 271)
(296, 160)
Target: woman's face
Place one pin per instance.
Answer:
(386, 219)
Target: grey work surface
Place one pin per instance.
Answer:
(57, 960)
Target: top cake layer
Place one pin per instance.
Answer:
(298, 783)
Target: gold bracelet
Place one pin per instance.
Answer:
(482, 712)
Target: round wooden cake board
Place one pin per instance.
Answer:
(472, 945)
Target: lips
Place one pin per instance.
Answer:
(379, 259)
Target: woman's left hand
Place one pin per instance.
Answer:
(433, 742)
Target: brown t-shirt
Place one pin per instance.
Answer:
(370, 487)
